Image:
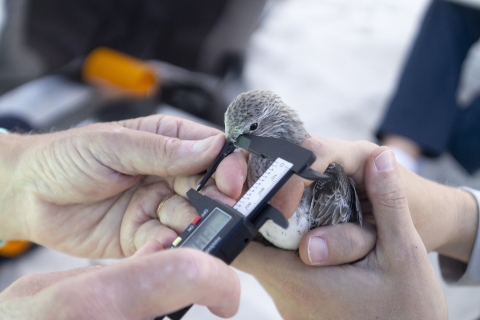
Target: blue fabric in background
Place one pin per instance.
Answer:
(424, 107)
(15, 124)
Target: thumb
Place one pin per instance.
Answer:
(387, 196)
(188, 157)
(150, 285)
(135, 152)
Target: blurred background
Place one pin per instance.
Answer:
(336, 62)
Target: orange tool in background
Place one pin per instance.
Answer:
(107, 67)
(13, 248)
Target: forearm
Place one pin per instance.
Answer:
(11, 147)
(445, 217)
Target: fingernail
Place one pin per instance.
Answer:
(203, 145)
(317, 250)
(385, 161)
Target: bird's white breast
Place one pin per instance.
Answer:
(289, 238)
(298, 225)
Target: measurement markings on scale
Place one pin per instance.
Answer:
(264, 184)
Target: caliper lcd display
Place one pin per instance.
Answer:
(205, 232)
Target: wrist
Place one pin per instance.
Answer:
(427, 204)
(11, 223)
(463, 232)
(445, 217)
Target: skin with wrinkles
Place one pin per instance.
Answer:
(263, 113)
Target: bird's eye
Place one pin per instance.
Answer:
(254, 127)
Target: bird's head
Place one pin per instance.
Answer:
(263, 113)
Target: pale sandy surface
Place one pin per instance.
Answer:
(336, 62)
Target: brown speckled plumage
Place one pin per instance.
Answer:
(323, 202)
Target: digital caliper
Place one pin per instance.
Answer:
(223, 231)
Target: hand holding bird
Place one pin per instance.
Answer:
(394, 280)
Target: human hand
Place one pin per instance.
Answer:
(395, 280)
(445, 217)
(146, 285)
(94, 191)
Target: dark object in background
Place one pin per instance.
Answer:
(164, 30)
(123, 109)
(208, 37)
(190, 98)
(424, 108)
(15, 124)
(181, 32)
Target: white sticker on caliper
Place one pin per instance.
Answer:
(262, 186)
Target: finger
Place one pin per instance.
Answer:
(171, 126)
(352, 155)
(286, 200)
(177, 213)
(153, 285)
(387, 196)
(337, 244)
(231, 174)
(33, 283)
(150, 247)
(135, 152)
(140, 222)
(183, 184)
(154, 229)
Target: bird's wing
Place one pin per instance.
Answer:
(326, 208)
(355, 204)
(334, 201)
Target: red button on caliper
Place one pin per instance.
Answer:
(196, 220)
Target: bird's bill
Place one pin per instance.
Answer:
(227, 149)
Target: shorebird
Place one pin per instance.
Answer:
(325, 202)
